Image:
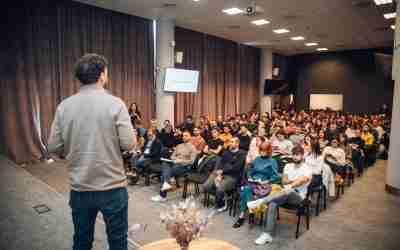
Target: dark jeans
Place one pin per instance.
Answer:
(141, 163)
(171, 170)
(291, 198)
(358, 161)
(113, 204)
(228, 184)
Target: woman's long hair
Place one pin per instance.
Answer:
(315, 148)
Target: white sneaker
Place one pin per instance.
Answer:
(166, 186)
(263, 239)
(158, 198)
(255, 204)
(223, 209)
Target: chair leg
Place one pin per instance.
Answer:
(185, 186)
(235, 205)
(278, 217)
(318, 202)
(308, 217)
(197, 188)
(298, 226)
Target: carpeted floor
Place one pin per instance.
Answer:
(365, 218)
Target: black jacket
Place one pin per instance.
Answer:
(244, 142)
(155, 150)
(232, 164)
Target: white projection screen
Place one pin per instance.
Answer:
(180, 80)
(323, 101)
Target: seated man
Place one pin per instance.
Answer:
(227, 174)
(215, 145)
(296, 178)
(197, 140)
(244, 138)
(181, 162)
(151, 152)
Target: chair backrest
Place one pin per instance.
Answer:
(316, 182)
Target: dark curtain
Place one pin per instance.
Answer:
(39, 53)
(229, 75)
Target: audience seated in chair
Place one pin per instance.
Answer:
(263, 171)
(296, 178)
(197, 140)
(227, 174)
(151, 152)
(180, 163)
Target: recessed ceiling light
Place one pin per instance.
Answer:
(381, 2)
(311, 44)
(297, 38)
(260, 22)
(390, 15)
(322, 49)
(232, 11)
(393, 27)
(196, 0)
(281, 31)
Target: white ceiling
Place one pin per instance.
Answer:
(335, 24)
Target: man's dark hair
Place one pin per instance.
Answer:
(89, 67)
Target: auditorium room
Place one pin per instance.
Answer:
(200, 125)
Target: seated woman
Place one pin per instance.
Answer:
(254, 152)
(335, 157)
(263, 171)
(319, 168)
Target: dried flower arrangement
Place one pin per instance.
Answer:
(185, 222)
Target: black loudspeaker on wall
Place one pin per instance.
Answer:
(276, 87)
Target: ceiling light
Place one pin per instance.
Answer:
(381, 2)
(311, 44)
(260, 22)
(390, 15)
(297, 38)
(232, 11)
(393, 27)
(322, 49)
(281, 31)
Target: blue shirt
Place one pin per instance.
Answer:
(264, 169)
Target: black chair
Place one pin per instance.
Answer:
(316, 186)
(302, 210)
(193, 178)
(153, 171)
(200, 173)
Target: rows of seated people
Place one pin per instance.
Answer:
(253, 153)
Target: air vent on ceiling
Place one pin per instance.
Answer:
(168, 5)
(275, 41)
(234, 27)
(363, 4)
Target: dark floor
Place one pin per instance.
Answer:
(365, 218)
